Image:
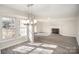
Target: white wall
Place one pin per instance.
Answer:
(67, 26)
(78, 30)
(11, 42)
(5, 11)
(0, 30)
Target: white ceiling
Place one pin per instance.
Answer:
(47, 10)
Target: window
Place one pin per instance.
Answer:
(23, 28)
(8, 27)
(14, 27)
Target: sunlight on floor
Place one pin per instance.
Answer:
(49, 45)
(36, 48)
(23, 49)
(36, 44)
(41, 51)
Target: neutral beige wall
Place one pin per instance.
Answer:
(67, 26)
(0, 30)
(78, 30)
(5, 11)
(11, 42)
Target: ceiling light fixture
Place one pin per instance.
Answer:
(30, 22)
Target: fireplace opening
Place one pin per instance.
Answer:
(55, 30)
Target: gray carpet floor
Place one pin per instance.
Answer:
(52, 44)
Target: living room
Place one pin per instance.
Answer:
(53, 25)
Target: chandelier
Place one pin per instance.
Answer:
(30, 17)
(30, 22)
